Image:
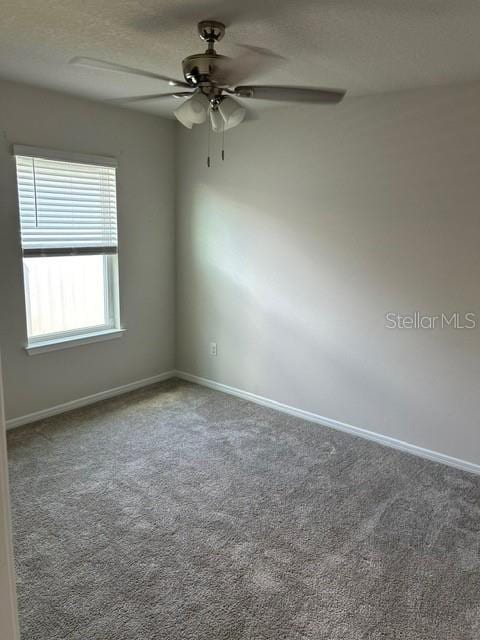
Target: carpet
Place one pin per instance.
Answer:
(180, 513)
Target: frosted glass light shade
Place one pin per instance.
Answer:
(182, 114)
(217, 121)
(232, 112)
(193, 111)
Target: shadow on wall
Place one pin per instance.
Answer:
(293, 265)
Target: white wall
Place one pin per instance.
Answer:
(145, 147)
(319, 222)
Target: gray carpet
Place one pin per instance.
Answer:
(180, 513)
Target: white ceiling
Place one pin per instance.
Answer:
(364, 46)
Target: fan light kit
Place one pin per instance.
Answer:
(210, 84)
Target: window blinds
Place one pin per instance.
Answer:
(66, 208)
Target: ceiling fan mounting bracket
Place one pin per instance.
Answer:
(211, 31)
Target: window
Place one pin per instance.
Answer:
(68, 222)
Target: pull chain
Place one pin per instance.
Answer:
(208, 143)
(223, 141)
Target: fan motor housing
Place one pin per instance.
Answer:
(199, 68)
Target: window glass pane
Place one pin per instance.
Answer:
(65, 293)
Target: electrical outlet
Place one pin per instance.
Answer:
(213, 348)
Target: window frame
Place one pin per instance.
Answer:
(82, 335)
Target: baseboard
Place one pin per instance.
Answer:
(388, 441)
(86, 400)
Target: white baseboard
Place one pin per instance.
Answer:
(86, 400)
(388, 441)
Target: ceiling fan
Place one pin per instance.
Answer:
(210, 80)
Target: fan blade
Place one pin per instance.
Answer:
(153, 96)
(112, 66)
(291, 94)
(252, 61)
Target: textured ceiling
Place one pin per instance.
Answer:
(364, 46)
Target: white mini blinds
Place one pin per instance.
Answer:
(66, 207)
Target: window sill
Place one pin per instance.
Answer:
(35, 348)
